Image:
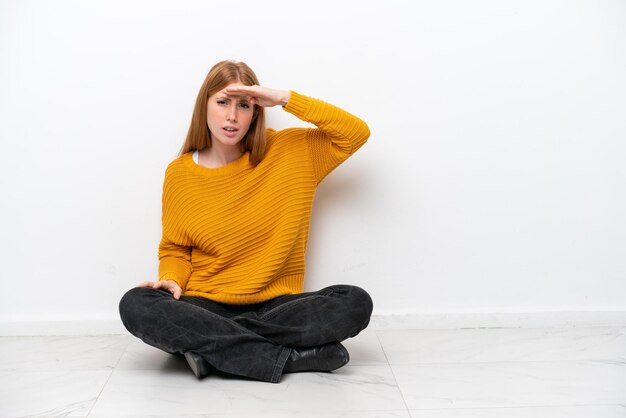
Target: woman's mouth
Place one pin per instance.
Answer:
(229, 131)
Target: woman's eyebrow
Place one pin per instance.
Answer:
(225, 96)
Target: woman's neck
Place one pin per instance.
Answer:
(217, 156)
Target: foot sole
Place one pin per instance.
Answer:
(198, 365)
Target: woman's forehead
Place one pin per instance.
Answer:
(222, 92)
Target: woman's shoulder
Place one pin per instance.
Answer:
(179, 159)
(178, 163)
(274, 134)
(289, 137)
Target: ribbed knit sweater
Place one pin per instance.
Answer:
(237, 234)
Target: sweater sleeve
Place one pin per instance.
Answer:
(338, 135)
(174, 262)
(174, 258)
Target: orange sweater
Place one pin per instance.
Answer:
(237, 234)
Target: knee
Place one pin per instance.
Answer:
(361, 302)
(357, 300)
(132, 305)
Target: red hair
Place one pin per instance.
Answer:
(221, 75)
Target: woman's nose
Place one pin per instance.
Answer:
(232, 114)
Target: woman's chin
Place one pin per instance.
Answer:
(229, 142)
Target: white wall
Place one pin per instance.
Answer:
(493, 180)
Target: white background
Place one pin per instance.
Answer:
(493, 181)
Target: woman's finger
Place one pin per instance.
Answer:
(167, 285)
(145, 284)
(252, 90)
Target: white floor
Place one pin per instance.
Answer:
(490, 373)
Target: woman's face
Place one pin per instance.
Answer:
(229, 117)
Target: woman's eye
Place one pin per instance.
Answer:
(244, 105)
(221, 102)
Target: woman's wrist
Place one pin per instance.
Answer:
(285, 98)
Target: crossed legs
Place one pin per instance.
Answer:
(252, 340)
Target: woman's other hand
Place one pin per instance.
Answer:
(261, 96)
(169, 285)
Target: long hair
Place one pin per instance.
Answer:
(221, 75)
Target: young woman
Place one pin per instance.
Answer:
(236, 211)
